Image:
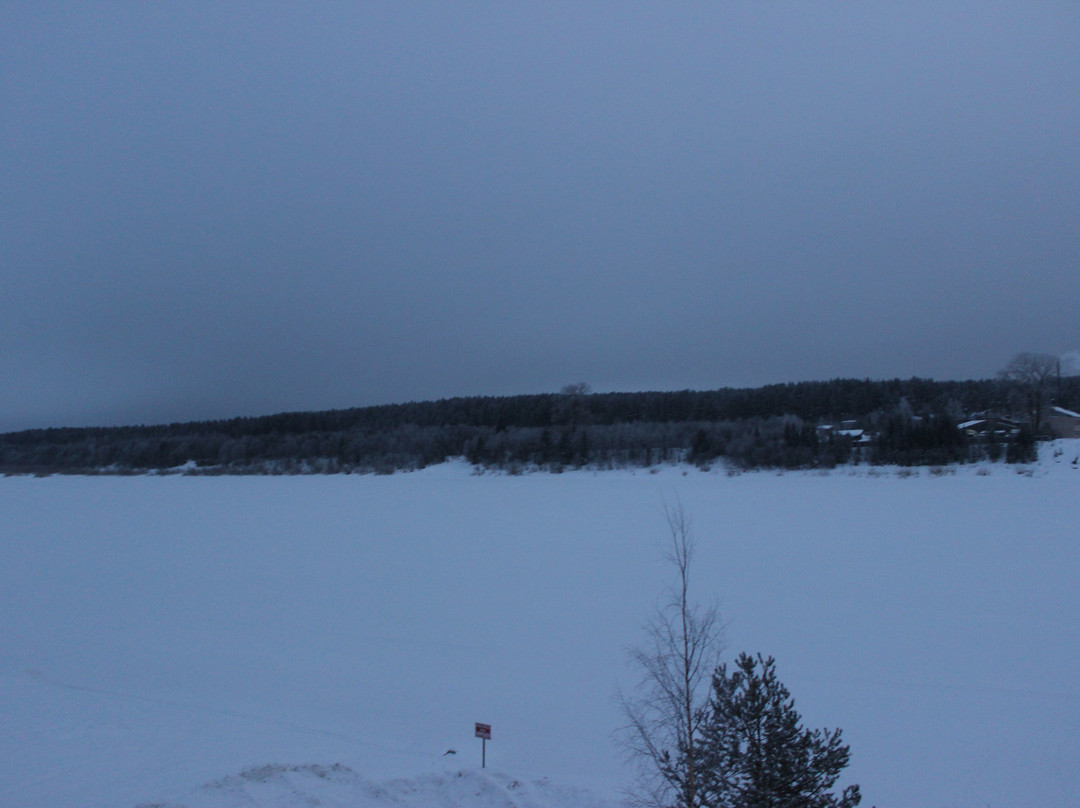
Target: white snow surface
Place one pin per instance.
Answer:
(324, 640)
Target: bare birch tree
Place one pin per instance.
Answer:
(666, 711)
(1033, 373)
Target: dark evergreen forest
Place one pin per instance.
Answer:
(906, 422)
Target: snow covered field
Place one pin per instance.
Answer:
(293, 641)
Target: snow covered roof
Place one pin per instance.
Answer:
(1063, 411)
(996, 423)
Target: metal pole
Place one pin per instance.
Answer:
(483, 753)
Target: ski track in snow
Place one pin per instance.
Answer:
(300, 641)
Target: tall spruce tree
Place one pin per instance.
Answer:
(756, 754)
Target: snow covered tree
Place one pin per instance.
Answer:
(754, 753)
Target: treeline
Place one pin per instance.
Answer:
(913, 421)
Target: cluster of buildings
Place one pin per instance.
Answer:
(1054, 422)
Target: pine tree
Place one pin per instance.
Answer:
(756, 754)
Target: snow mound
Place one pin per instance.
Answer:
(338, 786)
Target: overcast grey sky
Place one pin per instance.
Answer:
(215, 209)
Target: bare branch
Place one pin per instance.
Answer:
(1031, 372)
(665, 713)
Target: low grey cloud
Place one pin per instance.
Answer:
(217, 210)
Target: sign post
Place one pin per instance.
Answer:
(483, 732)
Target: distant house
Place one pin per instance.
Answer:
(1061, 423)
(825, 430)
(861, 439)
(990, 428)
